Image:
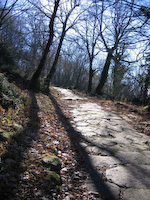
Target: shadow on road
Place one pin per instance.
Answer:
(136, 170)
(81, 154)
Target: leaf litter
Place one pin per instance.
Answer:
(23, 175)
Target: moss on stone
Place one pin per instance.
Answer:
(6, 135)
(52, 162)
(54, 178)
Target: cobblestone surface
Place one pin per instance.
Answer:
(120, 155)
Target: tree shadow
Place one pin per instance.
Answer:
(85, 162)
(11, 166)
(76, 138)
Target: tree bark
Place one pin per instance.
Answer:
(146, 84)
(34, 79)
(90, 77)
(53, 68)
(104, 73)
(77, 80)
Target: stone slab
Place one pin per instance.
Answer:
(136, 194)
(104, 190)
(68, 94)
(137, 176)
(133, 158)
(96, 150)
(93, 122)
(101, 161)
(88, 134)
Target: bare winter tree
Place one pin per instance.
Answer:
(35, 77)
(88, 36)
(118, 71)
(114, 26)
(65, 28)
(146, 79)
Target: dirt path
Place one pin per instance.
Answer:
(116, 156)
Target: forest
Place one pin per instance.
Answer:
(100, 47)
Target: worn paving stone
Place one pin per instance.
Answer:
(136, 194)
(137, 176)
(82, 124)
(121, 147)
(101, 161)
(84, 129)
(104, 191)
(68, 94)
(93, 122)
(78, 119)
(133, 158)
(88, 133)
(114, 146)
(96, 150)
(104, 132)
(120, 139)
(103, 141)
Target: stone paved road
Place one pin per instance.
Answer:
(120, 155)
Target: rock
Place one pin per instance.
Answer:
(133, 158)
(68, 94)
(18, 127)
(140, 194)
(101, 161)
(6, 135)
(52, 162)
(133, 176)
(53, 177)
(104, 190)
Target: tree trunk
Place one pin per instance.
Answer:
(90, 77)
(77, 80)
(146, 84)
(104, 73)
(34, 79)
(53, 68)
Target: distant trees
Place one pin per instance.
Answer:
(71, 73)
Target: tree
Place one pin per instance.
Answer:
(118, 71)
(88, 36)
(114, 29)
(37, 31)
(62, 36)
(35, 77)
(146, 80)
